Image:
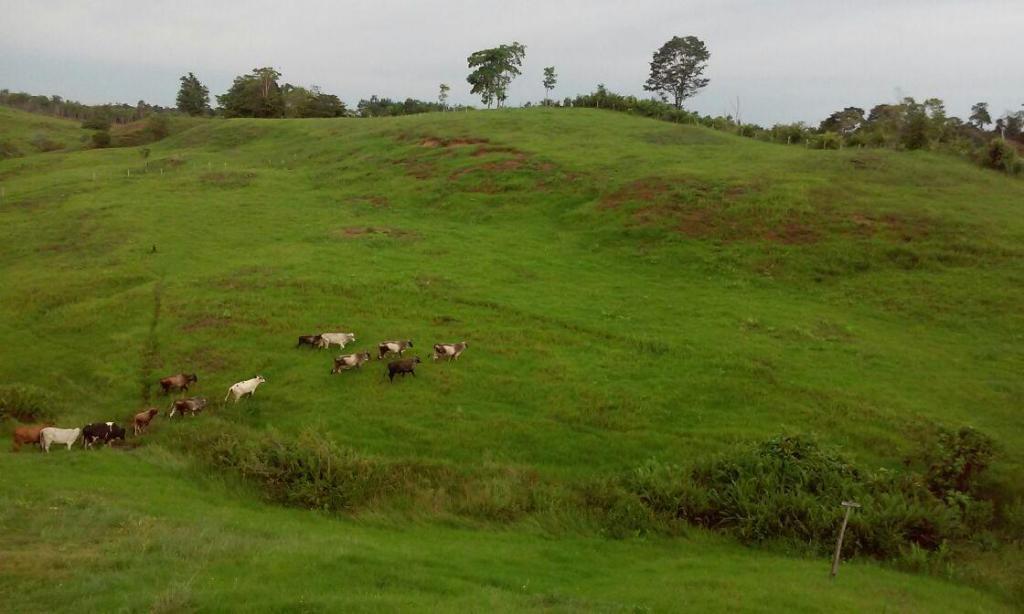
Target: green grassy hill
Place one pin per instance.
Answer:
(23, 134)
(631, 290)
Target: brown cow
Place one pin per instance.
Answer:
(181, 381)
(142, 419)
(27, 434)
(402, 367)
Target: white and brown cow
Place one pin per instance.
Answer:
(451, 351)
(187, 407)
(349, 361)
(393, 347)
(338, 339)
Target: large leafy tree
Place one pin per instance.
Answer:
(193, 97)
(256, 94)
(844, 122)
(980, 116)
(676, 69)
(493, 71)
(311, 102)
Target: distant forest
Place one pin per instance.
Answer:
(675, 74)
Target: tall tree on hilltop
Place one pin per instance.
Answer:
(844, 122)
(550, 80)
(493, 71)
(980, 116)
(193, 97)
(256, 94)
(442, 96)
(676, 69)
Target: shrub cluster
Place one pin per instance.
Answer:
(26, 403)
(790, 488)
(787, 489)
(1001, 156)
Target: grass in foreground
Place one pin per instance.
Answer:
(631, 290)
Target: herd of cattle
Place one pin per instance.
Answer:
(46, 435)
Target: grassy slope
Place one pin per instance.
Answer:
(21, 129)
(630, 289)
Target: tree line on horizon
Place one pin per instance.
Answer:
(675, 74)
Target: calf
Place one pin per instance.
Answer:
(393, 347)
(190, 406)
(105, 432)
(349, 361)
(407, 365)
(451, 351)
(51, 435)
(248, 387)
(312, 341)
(180, 381)
(27, 434)
(142, 419)
(338, 339)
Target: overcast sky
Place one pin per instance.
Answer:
(784, 60)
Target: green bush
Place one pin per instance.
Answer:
(44, 143)
(158, 126)
(9, 150)
(101, 139)
(790, 488)
(1001, 156)
(26, 403)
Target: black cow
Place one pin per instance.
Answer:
(105, 432)
(310, 340)
(407, 365)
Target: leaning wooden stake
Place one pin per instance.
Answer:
(849, 505)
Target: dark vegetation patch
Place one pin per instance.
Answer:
(683, 136)
(732, 213)
(787, 489)
(9, 149)
(227, 179)
(26, 403)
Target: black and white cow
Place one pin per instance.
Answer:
(103, 432)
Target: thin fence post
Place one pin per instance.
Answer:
(849, 505)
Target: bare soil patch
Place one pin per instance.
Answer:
(355, 232)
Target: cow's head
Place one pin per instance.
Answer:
(416, 359)
(409, 342)
(260, 379)
(193, 378)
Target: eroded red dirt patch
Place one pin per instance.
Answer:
(355, 232)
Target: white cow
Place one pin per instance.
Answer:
(51, 435)
(338, 339)
(248, 387)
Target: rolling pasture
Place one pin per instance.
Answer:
(631, 290)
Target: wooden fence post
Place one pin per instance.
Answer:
(849, 505)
